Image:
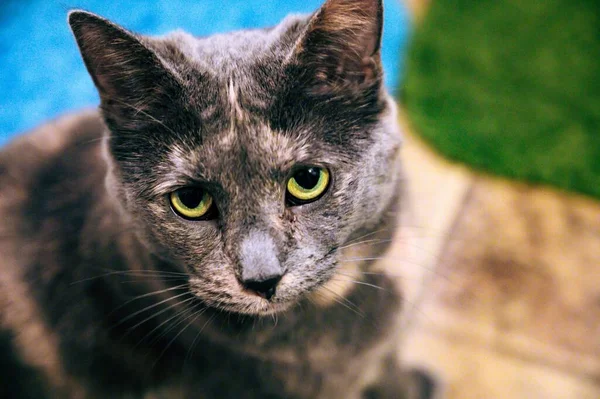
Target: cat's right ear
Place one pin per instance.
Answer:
(128, 75)
(340, 49)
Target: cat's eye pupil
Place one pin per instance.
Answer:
(307, 178)
(190, 197)
(307, 185)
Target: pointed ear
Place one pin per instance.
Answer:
(340, 47)
(128, 75)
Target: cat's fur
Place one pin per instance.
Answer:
(105, 292)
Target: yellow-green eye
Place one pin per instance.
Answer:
(307, 185)
(191, 202)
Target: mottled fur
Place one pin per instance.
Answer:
(105, 291)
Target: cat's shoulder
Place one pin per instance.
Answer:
(42, 195)
(53, 172)
(71, 143)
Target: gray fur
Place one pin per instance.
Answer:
(259, 257)
(235, 113)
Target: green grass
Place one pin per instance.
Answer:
(511, 87)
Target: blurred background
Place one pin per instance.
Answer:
(500, 104)
(43, 75)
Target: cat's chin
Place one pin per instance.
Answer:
(260, 307)
(273, 309)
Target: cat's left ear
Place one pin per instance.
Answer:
(340, 47)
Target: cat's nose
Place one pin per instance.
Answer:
(260, 270)
(265, 288)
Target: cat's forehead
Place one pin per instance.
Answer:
(225, 53)
(244, 147)
(252, 162)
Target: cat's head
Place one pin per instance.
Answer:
(248, 159)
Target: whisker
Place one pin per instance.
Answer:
(182, 316)
(135, 273)
(153, 278)
(142, 271)
(345, 302)
(157, 314)
(372, 242)
(362, 259)
(359, 282)
(197, 314)
(148, 334)
(396, 259)
(433, 270)
(177, 287)
(129, 317)
(387, 274)
(414, 307)
(190, 352)
(368, 235)
(409, 316)
(188, 312)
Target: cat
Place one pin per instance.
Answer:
(212, 230)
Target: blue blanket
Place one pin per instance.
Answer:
(41, 72)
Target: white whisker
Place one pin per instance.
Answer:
(129, 317)
(345, 302)
(359, 282)
(159, 313)
(372, 242)
(197, 314)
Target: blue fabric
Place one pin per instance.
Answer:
(41, 72)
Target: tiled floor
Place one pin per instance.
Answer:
(502, 282)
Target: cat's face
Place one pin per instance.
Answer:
(249, 159)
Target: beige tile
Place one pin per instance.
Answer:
(436, 190)
(472, 370)
(502, 283)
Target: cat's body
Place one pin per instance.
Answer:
(106, 292)
(62, 325)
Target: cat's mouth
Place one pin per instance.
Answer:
(236, 298)
(270, 298)
(272, 308)
(255, 306)
(228, 294)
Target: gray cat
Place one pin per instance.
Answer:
(210, 232)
